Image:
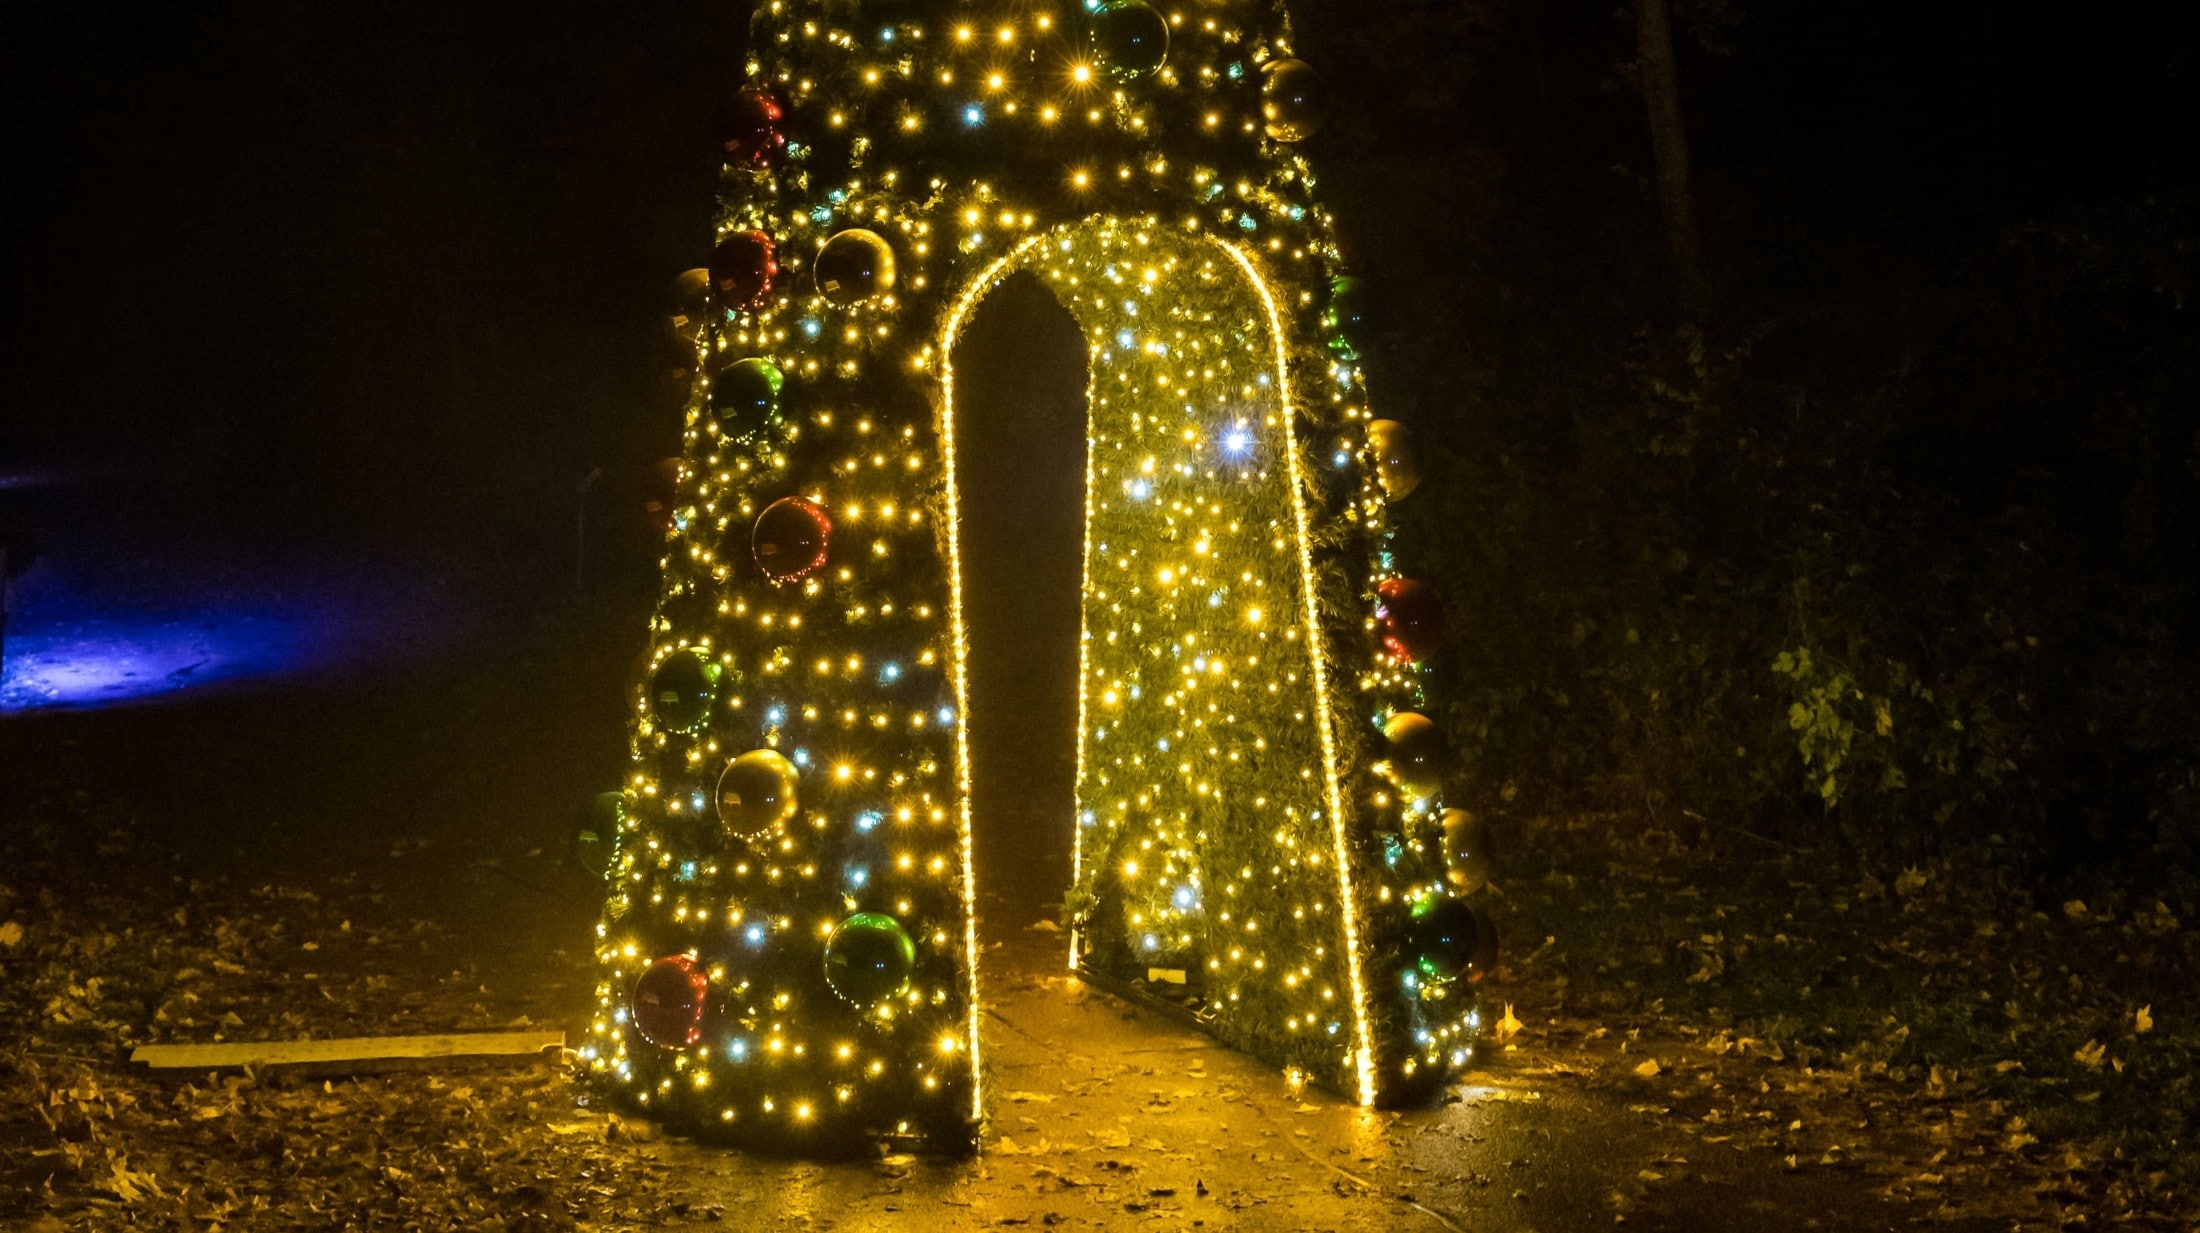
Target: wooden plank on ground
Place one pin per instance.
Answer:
(355, 1052)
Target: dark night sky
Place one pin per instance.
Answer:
(341, 253)
(328, 254)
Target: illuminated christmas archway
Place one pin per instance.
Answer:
(1198, 582)
(790, 941)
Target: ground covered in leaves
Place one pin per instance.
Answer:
(105, 945)
(2047, 1046)
(1732, 1034)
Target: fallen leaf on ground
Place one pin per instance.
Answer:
(1648, 1070)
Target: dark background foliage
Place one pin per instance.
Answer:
(1889, 535)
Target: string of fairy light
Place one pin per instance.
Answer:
(790, 938)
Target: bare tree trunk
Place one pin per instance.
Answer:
(1661, 97)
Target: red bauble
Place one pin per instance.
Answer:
(748, 130)
(667, 1004)
(1408, 618)
(690, 314)
(743, 268)
(791, 539)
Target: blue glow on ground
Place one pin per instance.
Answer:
(86, 660)
(153, 607)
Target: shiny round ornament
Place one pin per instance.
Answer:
(756, 794)
(854, 266)
(1408, 618)
(1344, 321)
(1129, 38)
(1293, 101)
(690, 314)
(1397, 464)
(1417, 753)
(1467, 862)
(743, 268)
(666, 1006)
(744, 396)
(1450, 940)
(749, 129)
(869, 958)
(599, 836)
(791, 539)
(661, 489)
(1347, 310)
(682, 688)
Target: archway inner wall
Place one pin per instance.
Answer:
(1209, 816)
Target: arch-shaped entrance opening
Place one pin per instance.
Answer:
(1020, 400)
(1210, 853)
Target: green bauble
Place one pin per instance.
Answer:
(599, 835)
(1347, 311)
(744, 396)
(1417, 754)
(1129, 38)
(1292, 100)
(854, 266)
(1445, 941)
(1344, 321)
(869, 958)
(756, 794)
(682, 689)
